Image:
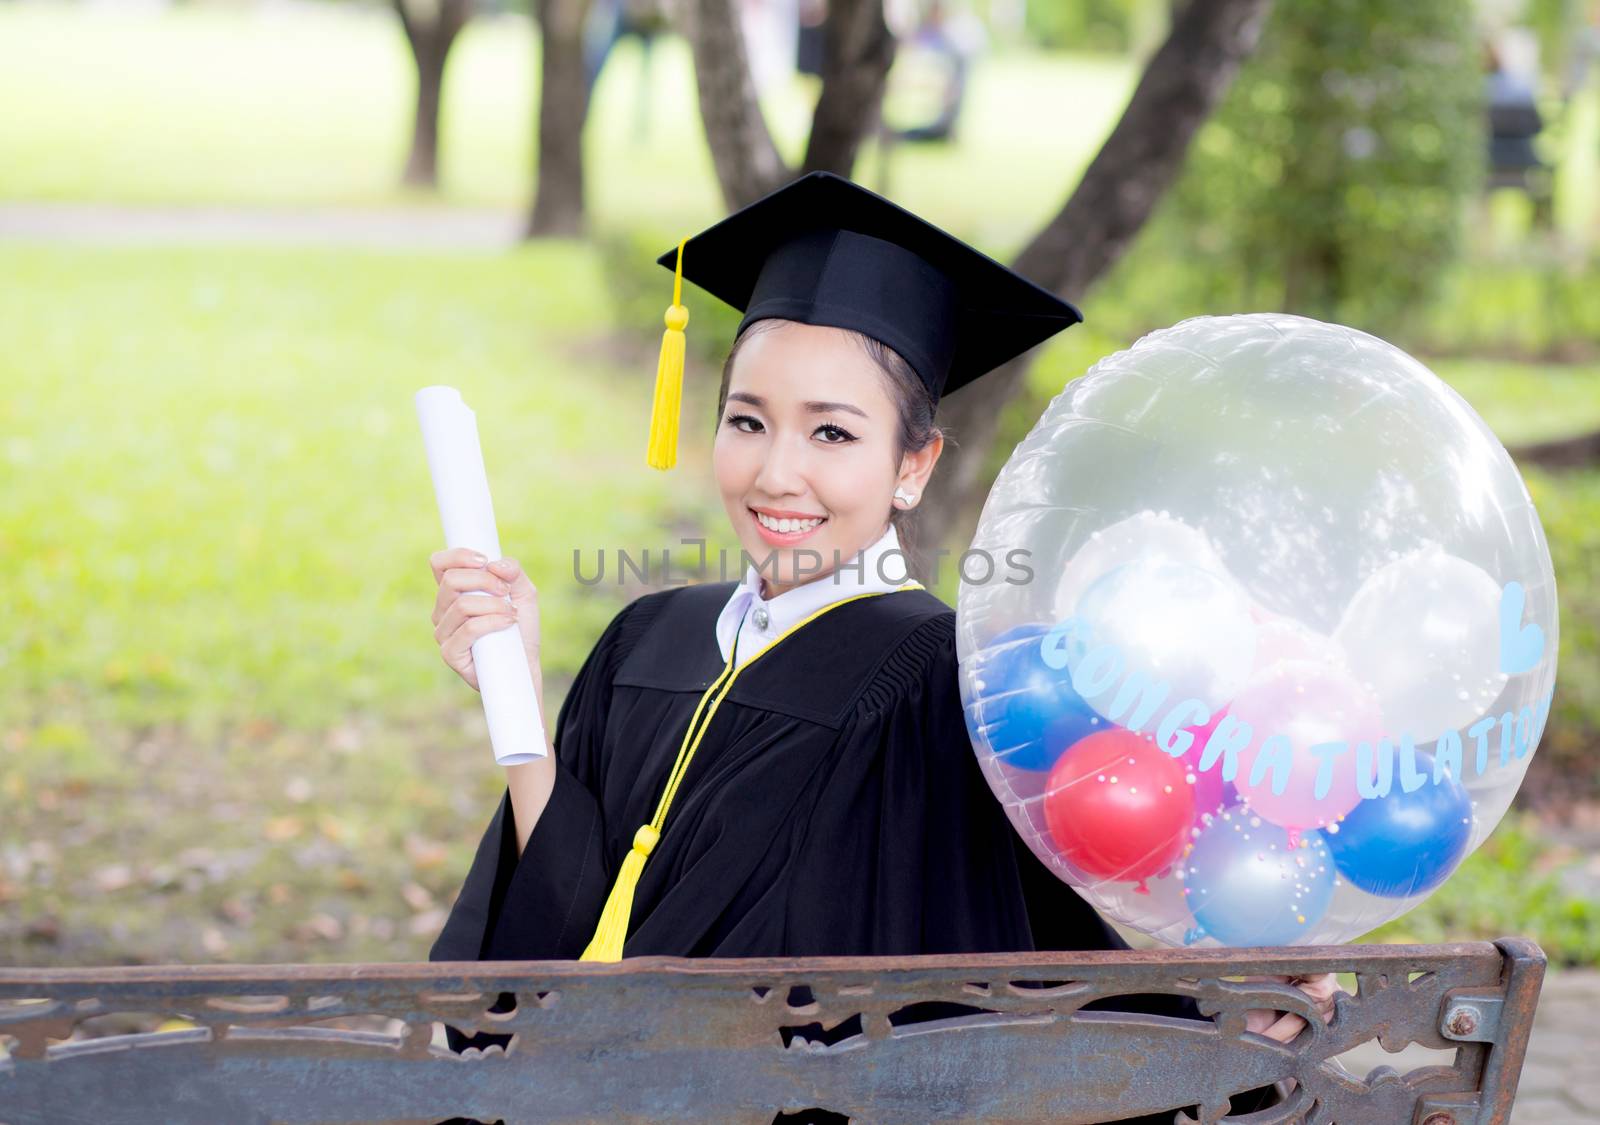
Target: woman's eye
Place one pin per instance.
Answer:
(734, 420)
(840, 435)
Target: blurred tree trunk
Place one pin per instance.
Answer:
(558, 208)
(748, 166)
(855, 71)
(746, 161)
(1182, 83)
(431, 27)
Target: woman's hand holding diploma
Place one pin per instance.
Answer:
(478, 635)
(459, 621)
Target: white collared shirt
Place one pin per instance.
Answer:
(759, 621)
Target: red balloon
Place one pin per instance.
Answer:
(1118, 806)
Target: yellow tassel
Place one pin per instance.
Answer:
(663, 449)
(606, 945)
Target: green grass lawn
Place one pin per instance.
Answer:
(217, 523)
(225, 731)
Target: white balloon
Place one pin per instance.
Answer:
(1172, 622)
(1141, 537)
(1423, 634)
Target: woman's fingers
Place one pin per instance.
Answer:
(1285, 1027)
(464, 608)
(1322, 988)
(459, 620)
(450, 557)
(456, 649)
(525, 600)
(460, 580)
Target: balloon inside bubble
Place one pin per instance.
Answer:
(1142, 537)
(1405, 843)
(1424, 631)
(1246, 884)
(1210, 791)
(1186, 627)
(1307, 723)
(1025, 711)
(1117, 806)
(1364, 513)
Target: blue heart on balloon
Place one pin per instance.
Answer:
(1521, 645)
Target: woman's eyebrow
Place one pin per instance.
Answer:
(814, 407)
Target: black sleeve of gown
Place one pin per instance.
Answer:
(544, 904)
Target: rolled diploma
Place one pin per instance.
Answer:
(460, 484)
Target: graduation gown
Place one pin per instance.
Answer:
(833, 807)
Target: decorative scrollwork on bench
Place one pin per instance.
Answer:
(1018, 1037)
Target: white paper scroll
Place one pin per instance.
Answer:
(460, 484)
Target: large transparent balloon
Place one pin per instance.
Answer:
(1283, 640)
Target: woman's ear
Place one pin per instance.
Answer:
(916, 468)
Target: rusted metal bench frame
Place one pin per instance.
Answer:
(668, 1039)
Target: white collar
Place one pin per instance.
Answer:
(746, 607)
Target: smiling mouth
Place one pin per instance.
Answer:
(787, 527)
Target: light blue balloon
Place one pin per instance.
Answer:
(1245, 885)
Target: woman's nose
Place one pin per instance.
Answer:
(782, 470)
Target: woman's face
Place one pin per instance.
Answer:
(808, 436)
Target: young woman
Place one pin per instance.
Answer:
(780, 766)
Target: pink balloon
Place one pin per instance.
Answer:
(1310, 703)
(1210, 791)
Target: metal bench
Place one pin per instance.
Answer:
(668, 1039)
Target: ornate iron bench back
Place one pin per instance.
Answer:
(667, 1039)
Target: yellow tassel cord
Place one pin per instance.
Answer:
(606, 945)
(663, 449)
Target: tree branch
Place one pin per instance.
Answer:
(1181, 86)
(859, 52)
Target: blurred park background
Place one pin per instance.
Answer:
(235, 238)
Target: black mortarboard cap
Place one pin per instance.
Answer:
(824, 250)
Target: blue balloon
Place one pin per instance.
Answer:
(1027, 712)
(1403, 843)
(1245, 885)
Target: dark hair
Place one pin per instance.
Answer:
(913, 404)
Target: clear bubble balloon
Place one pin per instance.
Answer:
(1286, 558)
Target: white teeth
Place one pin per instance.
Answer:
(786, 525)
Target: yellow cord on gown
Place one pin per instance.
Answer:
(606, 945)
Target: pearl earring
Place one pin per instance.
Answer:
(903, 496)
